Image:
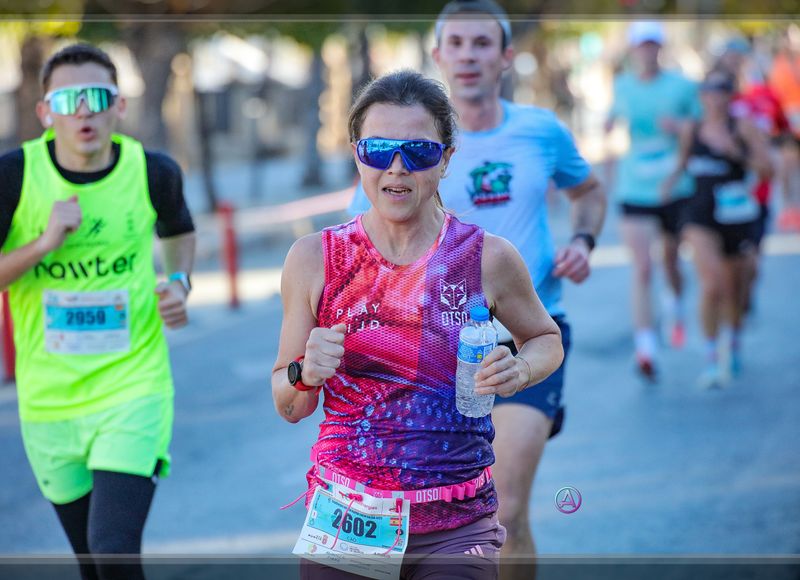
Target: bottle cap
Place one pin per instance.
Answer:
(479, 313)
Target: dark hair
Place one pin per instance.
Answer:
(405, 88)
(76, 54)
(490, 7)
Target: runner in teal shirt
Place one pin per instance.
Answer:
(653, 146)
(653, 103)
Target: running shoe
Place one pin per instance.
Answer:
(677, 338)
(711, 378)
(736, 363)
(732, 365)
(671, 322)
(646, 368)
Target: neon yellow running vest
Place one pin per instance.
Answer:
(86, 324)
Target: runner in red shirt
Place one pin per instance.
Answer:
(756, 102)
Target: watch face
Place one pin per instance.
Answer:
(294, 372)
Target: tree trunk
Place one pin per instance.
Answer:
(312, 175)
(206, 152)
(359, 57)
(542, 82)
(29, 92)
(360, 72)
(154, 44)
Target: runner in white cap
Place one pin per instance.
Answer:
(653, 102)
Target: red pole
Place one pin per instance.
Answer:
(9, 354)
(230, 250)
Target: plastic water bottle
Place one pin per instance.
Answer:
(475, 341)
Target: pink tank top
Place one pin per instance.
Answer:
(390, 415)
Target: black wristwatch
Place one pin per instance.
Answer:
(586, 237)
(295, 374)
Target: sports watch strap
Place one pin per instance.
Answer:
(295, 371)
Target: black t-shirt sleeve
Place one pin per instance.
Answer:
(165, 181)
(11, 169)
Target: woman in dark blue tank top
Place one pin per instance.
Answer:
(725, 157)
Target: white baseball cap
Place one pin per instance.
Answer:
(645, 31)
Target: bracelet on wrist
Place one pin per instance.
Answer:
(530, 373)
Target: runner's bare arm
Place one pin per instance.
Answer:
(14, 264)
(178, 254)
(588, 213)
(588, 206)
(610, 162)
(65, 218)
(301, 287)
(757, 148)
(513, 300)
(685, 146)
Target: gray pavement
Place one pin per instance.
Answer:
(663, 469)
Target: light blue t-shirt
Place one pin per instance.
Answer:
(653, 154)
(498, 179)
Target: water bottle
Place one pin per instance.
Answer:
(475, 341)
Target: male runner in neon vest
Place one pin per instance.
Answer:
(77, 211)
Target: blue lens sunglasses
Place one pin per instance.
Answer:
(417, 154)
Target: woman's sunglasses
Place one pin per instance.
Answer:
(67, 100)
(417, 154)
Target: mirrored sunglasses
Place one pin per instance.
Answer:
(67, 100)
(417, 154)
